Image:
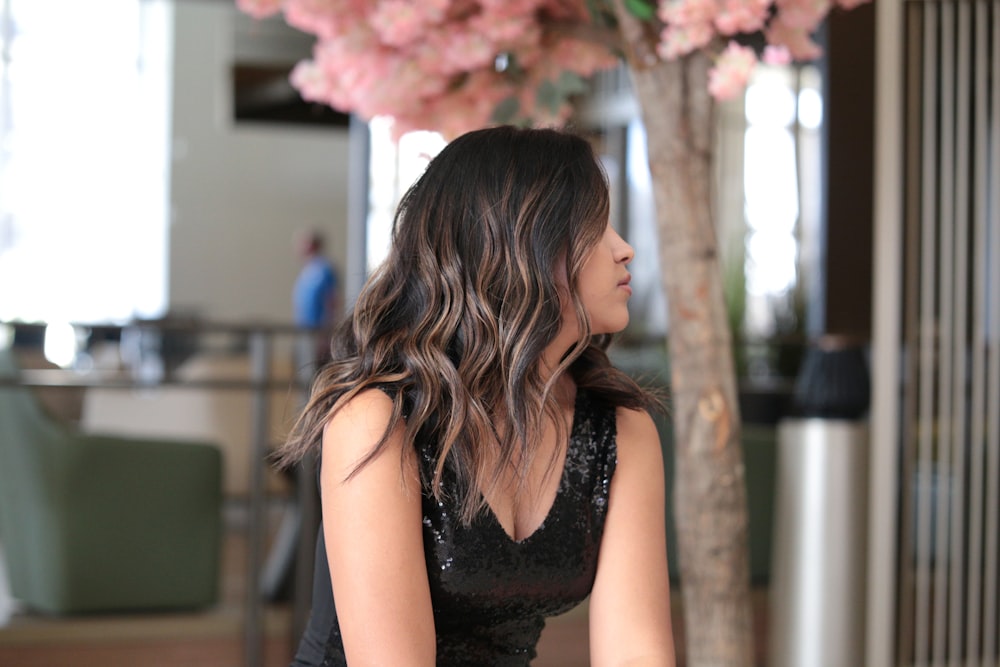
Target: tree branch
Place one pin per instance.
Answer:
(639, 38)
(585, 32)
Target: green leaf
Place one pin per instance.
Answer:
(600, 13)
(548, 96)
(552, 94)
(570, 83)
(506, 111)
(641, 9)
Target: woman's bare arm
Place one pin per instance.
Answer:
(630, 603)
(374, 542)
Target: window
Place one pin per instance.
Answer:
(784, 113)
(393, 169)
(84, 133)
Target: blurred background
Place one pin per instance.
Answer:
(156, 168)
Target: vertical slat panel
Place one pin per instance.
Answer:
(883, 612)
(925, 377)
(958, 322)
(978, 339)
(950, 604)
(913, 73)
(991, 617)
(946, 177)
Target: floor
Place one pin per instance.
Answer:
(214, 638)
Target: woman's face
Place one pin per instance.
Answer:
(603, 283)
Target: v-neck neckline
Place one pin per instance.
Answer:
(495, 520)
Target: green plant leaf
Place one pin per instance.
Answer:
(570, 83)
(548, 96)
(641, 9)
(506, 111)
(552, 94)
(600, 13)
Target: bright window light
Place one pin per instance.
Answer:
(394, 168)
(784, 111)
(60, 344)
(810, 108)
(83, 159)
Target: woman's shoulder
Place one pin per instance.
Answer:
(627, 419)
(369, 404)
(359, 421)
(637, 435)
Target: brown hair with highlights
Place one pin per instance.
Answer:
(454, 322)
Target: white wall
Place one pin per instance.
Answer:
(238, 192)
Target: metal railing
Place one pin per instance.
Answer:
(258, 342)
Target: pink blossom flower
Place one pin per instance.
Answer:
(323, 18)
(434, 11)
(796, 40)
(501, 9)
(397, 22)
(736, 16)
(456, 110)
(428, 54)
(578, 56)
(467, 49)
(776, 55)
(804, 14)
(311, 82)
(408, 76)
(678, 41)
(683, 13)
(431, 63)
(731, 72)
(354, 69)
(260, 9)
(506, 30)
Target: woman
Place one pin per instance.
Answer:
(482, 464)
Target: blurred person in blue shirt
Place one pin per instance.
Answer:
(315, 295)
(315, 300)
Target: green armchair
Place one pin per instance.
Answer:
(95, 523)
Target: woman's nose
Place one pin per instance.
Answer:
(625, 252)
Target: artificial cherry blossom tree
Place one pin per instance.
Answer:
(456, 65)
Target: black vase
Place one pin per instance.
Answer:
(833, 382)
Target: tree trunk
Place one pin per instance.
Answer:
(709, 490)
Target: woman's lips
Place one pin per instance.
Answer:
(625, 283)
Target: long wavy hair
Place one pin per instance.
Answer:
(454, 322)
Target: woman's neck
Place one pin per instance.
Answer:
(564, 388)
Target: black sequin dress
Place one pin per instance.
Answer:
(490, 593)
